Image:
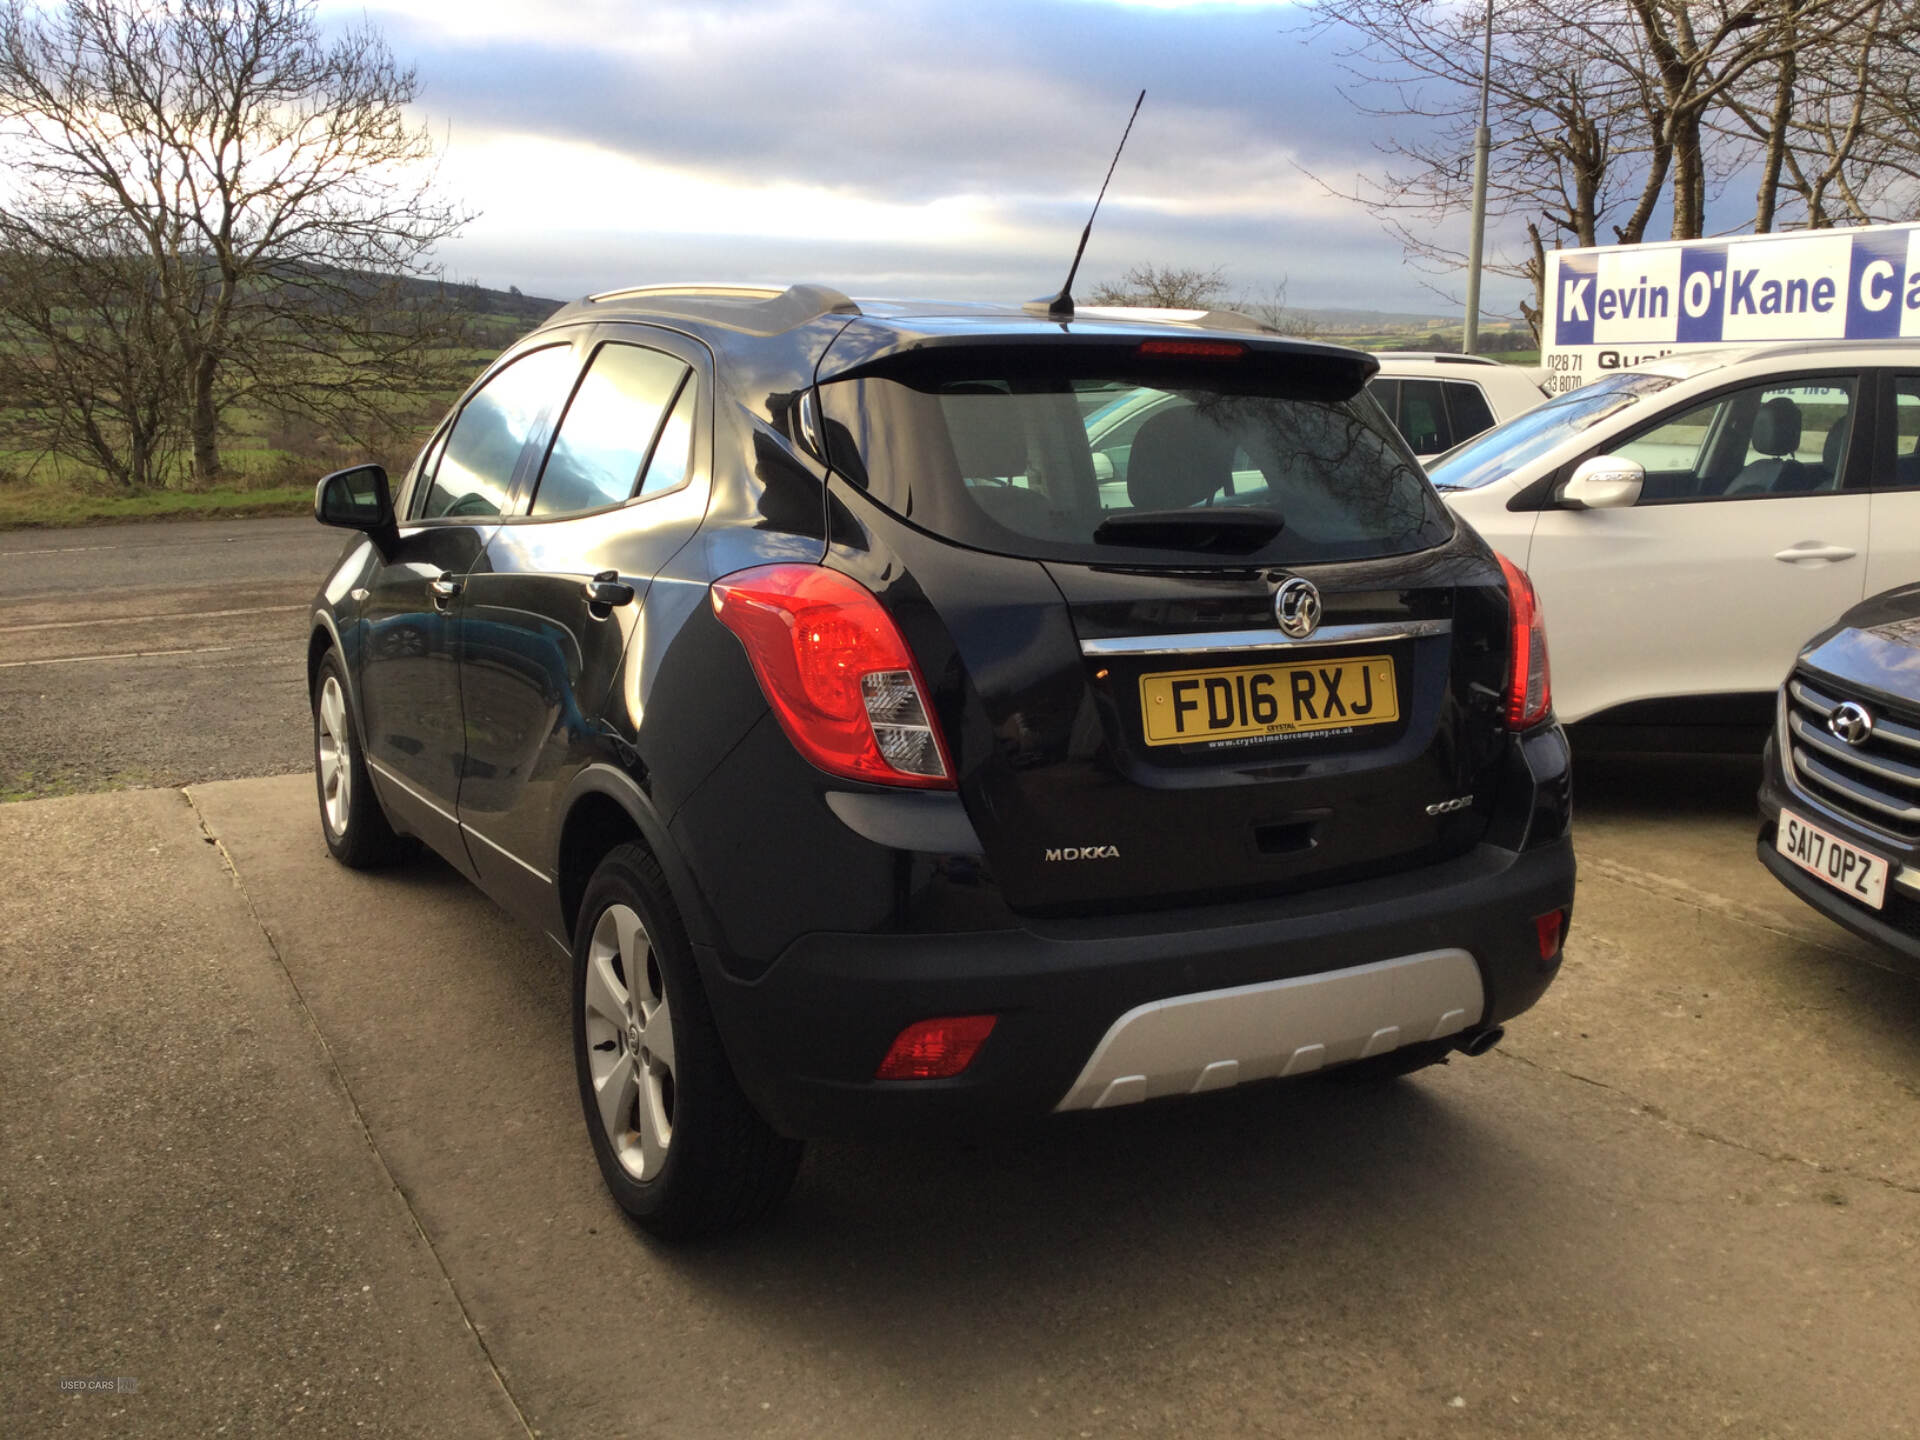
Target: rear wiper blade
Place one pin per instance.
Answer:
(1227, 530)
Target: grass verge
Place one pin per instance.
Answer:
(29, 507)
(17, 785)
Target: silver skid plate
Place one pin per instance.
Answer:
(1190, 1043)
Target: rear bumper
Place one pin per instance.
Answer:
(806, 1036)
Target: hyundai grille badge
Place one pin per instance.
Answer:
(1851, 723)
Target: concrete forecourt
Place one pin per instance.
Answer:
(295, 1148)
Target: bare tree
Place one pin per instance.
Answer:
(267, 176)
(1176, 287)
(1603, 111)
(87, 361)
(1270, 308)
(1836, 122)
(1575, 153)
(1166, 287)
(1704, 50)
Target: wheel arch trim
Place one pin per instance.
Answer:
(323, 621)
(603, 779)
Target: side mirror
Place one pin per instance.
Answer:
(1604, 482)
(356, 499)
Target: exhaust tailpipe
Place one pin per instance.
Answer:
(1482, 1041)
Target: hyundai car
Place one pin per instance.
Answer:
(1840, 802)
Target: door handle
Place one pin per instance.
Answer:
(445, 587)
(607, 589)
(1813, 550)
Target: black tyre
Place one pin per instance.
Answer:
(1377, 1069)
(680, 1147)
(356, 828)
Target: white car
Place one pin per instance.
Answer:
(1690, 522)
(1437, 400)
(1440, 401)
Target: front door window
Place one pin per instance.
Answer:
(474, 476)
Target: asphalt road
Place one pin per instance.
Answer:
(298, 1149)
(155, 654)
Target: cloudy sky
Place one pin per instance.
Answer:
(894, 146)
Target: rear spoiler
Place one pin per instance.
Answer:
(1167, 354)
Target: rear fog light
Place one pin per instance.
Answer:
(1552, 930)
(935, 1049)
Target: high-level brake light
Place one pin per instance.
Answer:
(1529, 691)
(1193, 349)
(837, 673)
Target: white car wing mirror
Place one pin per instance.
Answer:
(1604, 482)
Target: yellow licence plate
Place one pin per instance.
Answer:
(1186, 707)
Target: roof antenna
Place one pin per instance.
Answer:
(1060, 307)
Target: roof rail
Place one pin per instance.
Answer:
(1438, 357)
(752, 309)
(733, 292)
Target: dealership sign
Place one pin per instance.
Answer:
(1615, 306)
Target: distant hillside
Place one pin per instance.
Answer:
(476, 299)
(479, 300)
(505, 309)
(531, 309)
(1364, 322)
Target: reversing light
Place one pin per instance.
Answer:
(935, 1049)
(1552, 930)
(1529, 691)
(1193, 349)
(837, 673)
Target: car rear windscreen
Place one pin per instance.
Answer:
(1036, 464)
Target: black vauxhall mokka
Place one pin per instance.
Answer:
(920, 715)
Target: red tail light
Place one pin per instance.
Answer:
(837, 673)
(935, 1049)
(1529, 693)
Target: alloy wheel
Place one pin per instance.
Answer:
(629, 1042)
(334, 756)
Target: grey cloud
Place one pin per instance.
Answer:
(910, 100)
(907, 101)
(562, 266)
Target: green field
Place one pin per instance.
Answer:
(270, 461)
(36, 504)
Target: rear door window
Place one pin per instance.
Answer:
(609, 429)
(474, 474)
(1386, 392)
(1467, 410)
(1423, 416)
(1905, 474)
(1034, 464)
(673, 452)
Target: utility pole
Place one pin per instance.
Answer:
(1482, 143)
